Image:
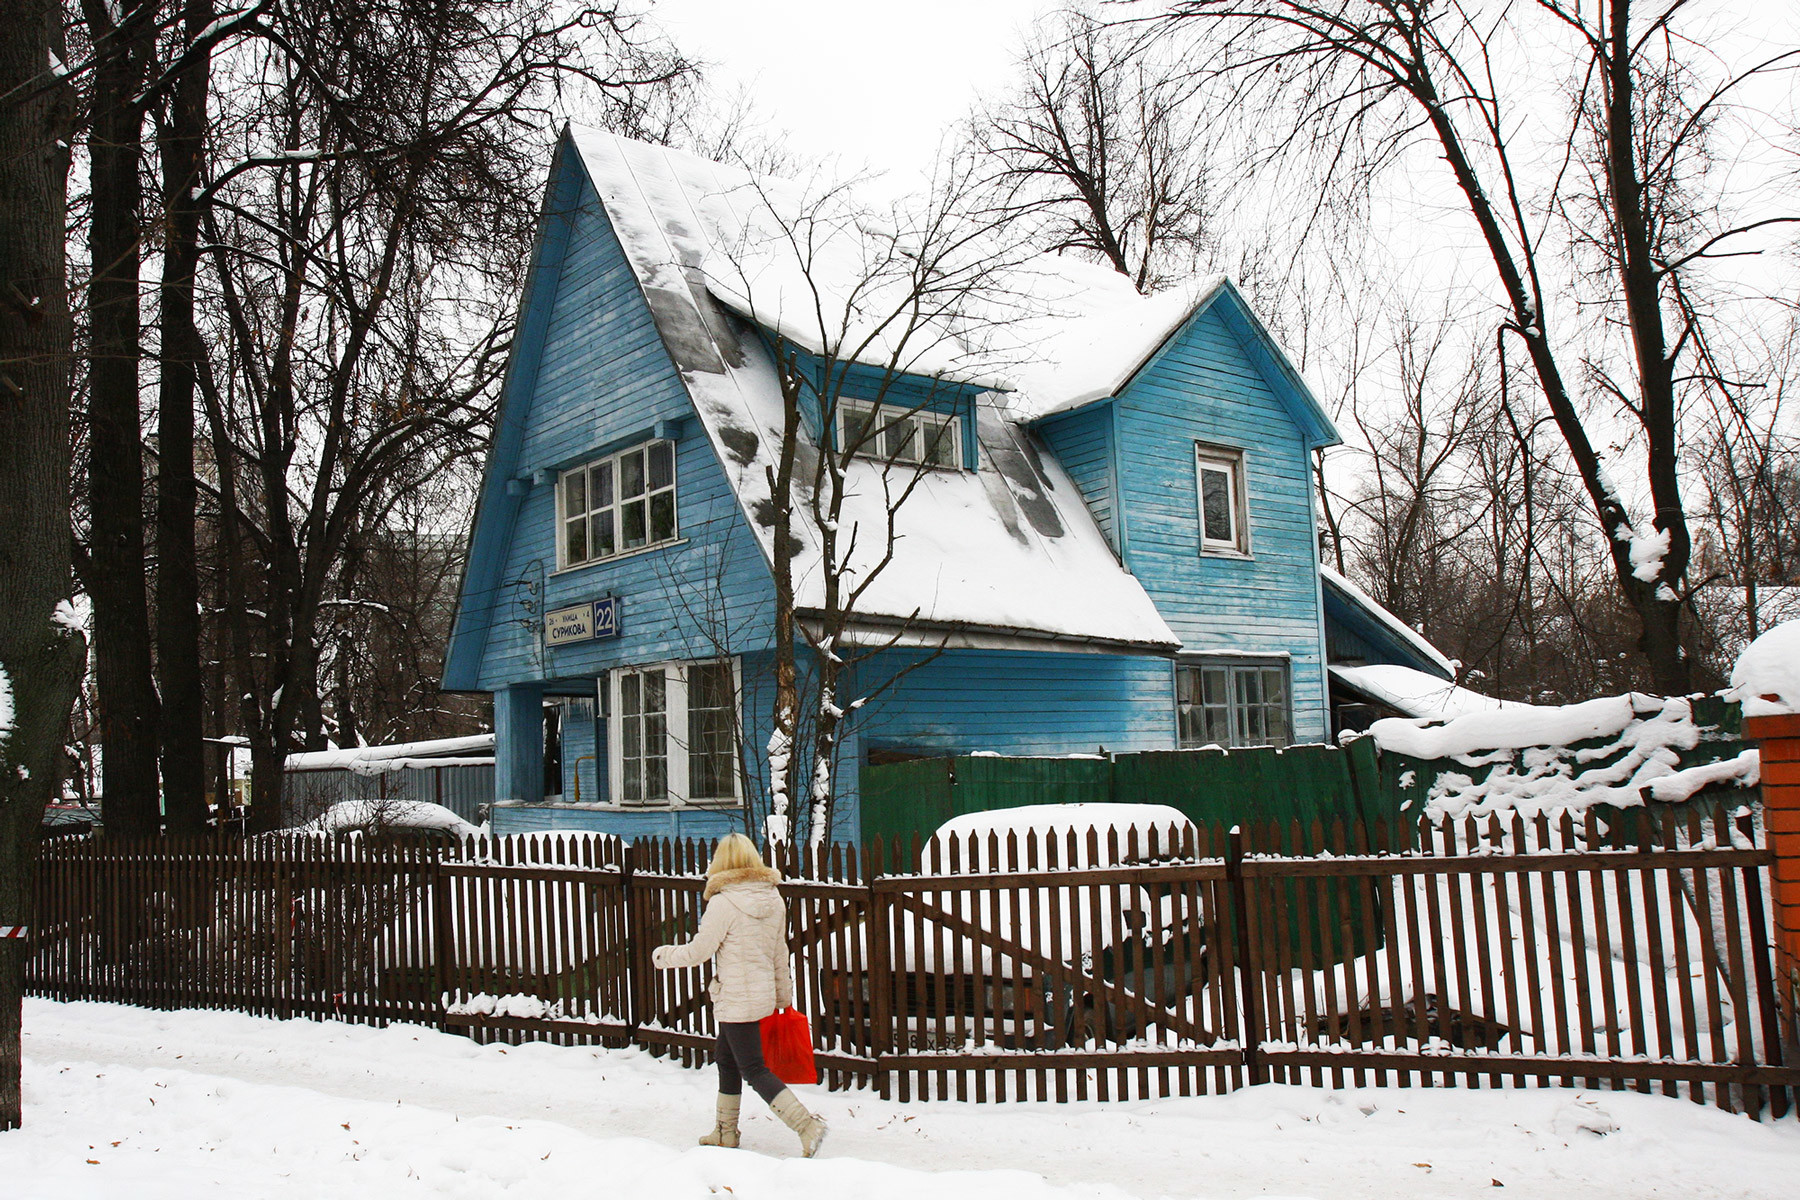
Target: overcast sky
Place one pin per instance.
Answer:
(846, 77)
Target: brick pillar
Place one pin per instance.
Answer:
(1779, 740)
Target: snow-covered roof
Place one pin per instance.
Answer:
(1409, 637)
(477, 749)
(1009, 546)
(391, 814)
(1049, 331)
(1415, 693)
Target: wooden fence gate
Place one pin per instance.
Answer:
(1633, 953)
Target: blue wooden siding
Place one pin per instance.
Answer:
(1082, 441)
(604, 381)
(1019, 702)
(1205, 387)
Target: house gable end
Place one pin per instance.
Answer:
(592, 374)
(1214, 385)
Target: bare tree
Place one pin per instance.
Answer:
(1748, 461)
(1625, 195)
(366, 213)
(1096, 152)
(870, 313)
(40, 660)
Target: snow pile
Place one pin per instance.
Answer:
(517, 1004)
(1534, 766)
(389, 814)
(1766, 676)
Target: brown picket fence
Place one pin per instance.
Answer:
(1050, 965)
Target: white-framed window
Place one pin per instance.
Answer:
(616, 504)
(1225, 703)
(673, 733)
(1219, 482)
(893, 433)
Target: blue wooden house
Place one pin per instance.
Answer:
(1112, 542)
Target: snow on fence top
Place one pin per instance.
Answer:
(1618, 750)
(1766, 677)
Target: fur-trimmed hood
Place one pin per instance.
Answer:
(745, 926)
(724, 879)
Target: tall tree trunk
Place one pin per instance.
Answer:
(40, 661)
(1640, 282)
(177, 572)
(784, 736)
(117, 577)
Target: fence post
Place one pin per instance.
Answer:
(1759, 957)
(1249, 970)
(442, 940)
(881, 986)
(637, 967)
(284, 935)
(1779, 747)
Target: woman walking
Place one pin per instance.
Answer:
(745, 926)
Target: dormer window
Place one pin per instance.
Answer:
(1219, 474)
(895, 433)
(617, 504)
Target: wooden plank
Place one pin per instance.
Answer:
(1528, 945)
(1684, 977)
(1483, 935)
(1603, 926)
(1629, 946)
(1457, 989)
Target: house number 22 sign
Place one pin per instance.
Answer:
(593, 621)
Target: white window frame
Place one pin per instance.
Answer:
(676, 741)
(852, 413)
(1235, 713)
(1230, 462)
(617, 507)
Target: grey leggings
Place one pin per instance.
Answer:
(740, 1057)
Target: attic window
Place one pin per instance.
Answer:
(617, 504)
(895, 433)
(1219, 475)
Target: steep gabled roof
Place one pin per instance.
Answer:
(1009, 546)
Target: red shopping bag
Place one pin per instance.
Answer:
(787, 1046)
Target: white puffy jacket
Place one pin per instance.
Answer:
(746, 926)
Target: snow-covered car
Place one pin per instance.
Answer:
(1045, 964)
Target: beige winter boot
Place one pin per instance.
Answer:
(725, 1130)
(793, 1114)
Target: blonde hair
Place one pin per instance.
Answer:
(734, 853)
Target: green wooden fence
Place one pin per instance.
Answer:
(1214, 788)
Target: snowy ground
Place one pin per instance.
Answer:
(126, 1102)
